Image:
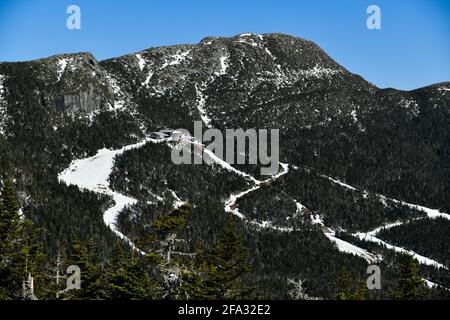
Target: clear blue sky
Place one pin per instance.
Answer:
(411, 50)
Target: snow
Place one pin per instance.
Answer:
(354, 116)
(62, 64)
(282, 78)
(319, 72)
(231, 202)
(93, 173)
(248, 41)
(200, 90)
(285, 170)
(385, 227)
(421, 259)
(347, 186)
(176, 59)
(342, 245)
(119, 105)
(223, 65)
(444, 90)
(432, 285)
(347, 247)
(3, 114)
(229, 167)
(270, 53)
(299, 207)
(410, 105)
(201, 102)
(119, 102)
(2, 89)
(431, 213)
(371, 236)
(147, 80)
(248, 34)
(178, 202)
(141, 61)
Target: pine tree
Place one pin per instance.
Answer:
(126, 278)
(346, 288)
(83, 255)
(361, 291)
(410, 285)
(160, 247)
(19, 253)
(344, 285)
(219, 271)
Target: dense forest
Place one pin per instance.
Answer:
(212, 271)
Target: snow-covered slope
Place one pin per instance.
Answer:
(92, 174)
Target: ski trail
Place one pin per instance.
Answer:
(231, 202)
(342, 245)
(93, 173)
(371, 236)
(431, 213)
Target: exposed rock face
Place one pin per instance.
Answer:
(71, 83)
(87, 101)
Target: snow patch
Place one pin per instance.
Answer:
(201, 102)
(444, 90)
(347, 186)
(421, 259)
(249, 41)
(410, 105)
(347, 247)
(119, 102)
(62, 65)
(342, 245)
(231, 202)
(176, 59)
(3, 114)
(93, 173)
(223, 65)
(319, 72)
(431, 213)
(147, 80)
(141, 61)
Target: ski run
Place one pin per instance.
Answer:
(371, 236)
(93, 173)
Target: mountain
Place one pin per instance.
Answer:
(354, 157)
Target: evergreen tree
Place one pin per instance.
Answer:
(410, 285)
(346, 288)
(219, 271)
(125, 278)
(160, 247)
(344, 285)
(20, 256)
(361, 291)
(83, 255)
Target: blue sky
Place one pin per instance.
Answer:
(411, 50)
